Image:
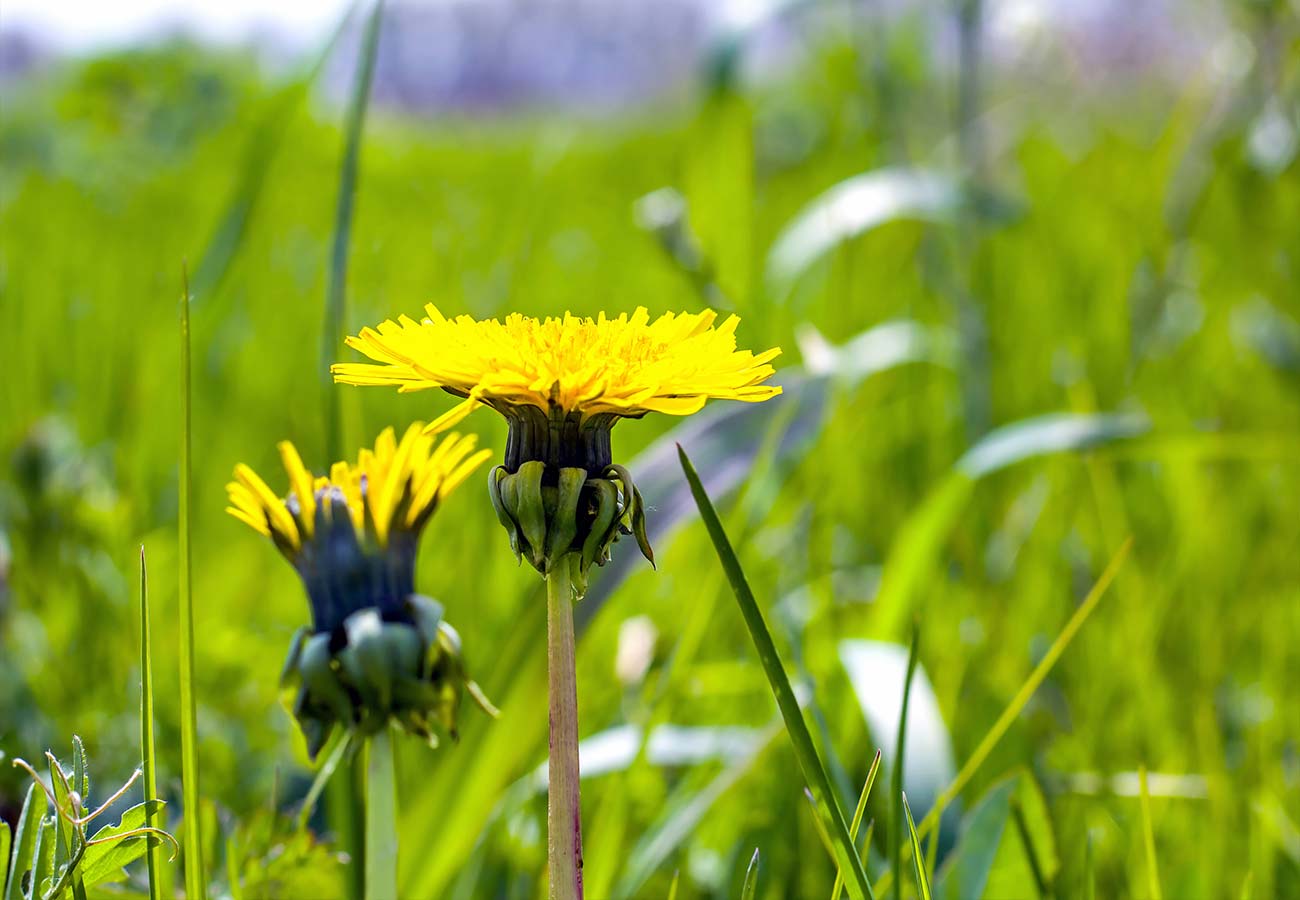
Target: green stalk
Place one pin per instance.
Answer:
(381, 819)
(146, 732)
(563, 807)
(195, 883)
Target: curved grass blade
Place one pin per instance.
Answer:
(750, 887)
(336, 298)
(814, 772)
(4, 851)
(346, 805)
(918, 857)
(1027, 690)
(897, 798)
(147, 752)
(195, 873)
(914, 551)
(262, 147)
(857, 819)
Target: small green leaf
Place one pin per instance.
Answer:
(750, 886)
(108, 852)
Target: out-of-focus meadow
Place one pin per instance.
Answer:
(1037, 296)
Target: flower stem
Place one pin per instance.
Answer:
(381, 820)
(563, 809)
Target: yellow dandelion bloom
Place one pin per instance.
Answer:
(618, 367)
(393, 487)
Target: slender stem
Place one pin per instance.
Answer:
(381, 820)
(563, 807)
(196, 887)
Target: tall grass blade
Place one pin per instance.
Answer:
(810, 764)
(896, 776)
(260, 151)
(323, 778)
(1149, 837)
(918, 858)
(195, 877)
(1027, 690)
(858, 813)
(750, 887)
(346, 806)
(4, 851)
(1089, 872)
(336, 297)
(147, 752)
(672, 888)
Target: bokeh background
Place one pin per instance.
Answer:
(1034, 267)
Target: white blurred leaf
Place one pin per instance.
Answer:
(857, 205)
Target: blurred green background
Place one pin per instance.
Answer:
(1034, 299)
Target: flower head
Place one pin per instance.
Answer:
(561, 384)
(352, 535)
(376, 649)
(625, 366)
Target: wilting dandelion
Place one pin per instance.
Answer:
(376, 650)
(562, 384)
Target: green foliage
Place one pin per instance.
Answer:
(1127, 264)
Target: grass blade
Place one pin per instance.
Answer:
(897, 797)
(195, 878)
(346, 805)
(322, 778)
(1027, 690)
(810, 764)
(1149, 837)
(918, 858)
(147, 758)
(858, 813)
(336, 298)
(4, 851)
(381, 819)
(750, 887)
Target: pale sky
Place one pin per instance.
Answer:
(85, 24)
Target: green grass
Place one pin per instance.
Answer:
(1139, 276)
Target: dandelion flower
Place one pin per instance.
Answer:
(562, 384)
(376, 650)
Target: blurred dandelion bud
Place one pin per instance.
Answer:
(376, 651)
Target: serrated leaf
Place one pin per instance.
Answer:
(103, 861)
(80, 770)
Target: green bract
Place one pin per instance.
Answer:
(550, 513)
(371, 670)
